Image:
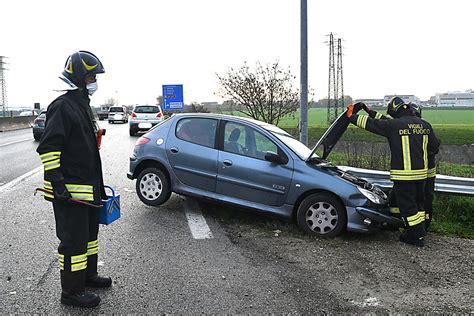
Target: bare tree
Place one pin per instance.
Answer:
(265, 93)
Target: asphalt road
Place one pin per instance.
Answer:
(17, 154)
(246, 264)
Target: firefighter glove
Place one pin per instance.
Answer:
(361, 106)
(350, 110)
(60, 191)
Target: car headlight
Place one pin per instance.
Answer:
(371, 196)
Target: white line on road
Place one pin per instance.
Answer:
(197, 222)
(7, 186)
(17, 141)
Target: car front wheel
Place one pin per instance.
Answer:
(322, 214)
(153, 187)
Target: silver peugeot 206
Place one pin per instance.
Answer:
(258, 166)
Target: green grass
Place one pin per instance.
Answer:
(444, 117)
(452, 126)
(453, 216)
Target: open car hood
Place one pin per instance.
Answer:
(332, 135)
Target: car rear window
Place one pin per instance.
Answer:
(147, 109)
(116, 110)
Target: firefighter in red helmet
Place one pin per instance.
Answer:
(72, 171)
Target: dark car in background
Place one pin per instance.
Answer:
(255, 165)
(38, 125)
(144, 117)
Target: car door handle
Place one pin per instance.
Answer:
(227, 162)
(174, 150)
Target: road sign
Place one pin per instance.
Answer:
(173, 97)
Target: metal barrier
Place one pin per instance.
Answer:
(443, 184)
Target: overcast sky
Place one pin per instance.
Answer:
(416, 47)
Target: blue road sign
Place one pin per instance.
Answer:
(173, 97)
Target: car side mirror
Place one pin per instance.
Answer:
(275, 158)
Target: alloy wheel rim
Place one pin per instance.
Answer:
(321, 217)
(150, 186)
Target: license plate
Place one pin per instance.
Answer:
(144, 125)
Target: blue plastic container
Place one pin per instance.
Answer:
(110, 211)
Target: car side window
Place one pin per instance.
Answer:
(201, 131)
(246, 141)
(234, 138)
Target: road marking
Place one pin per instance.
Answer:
(371, 301)
(7, 186)
(17, 141)
(196, 222)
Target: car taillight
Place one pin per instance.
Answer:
(159, 115)
(37, 120)
(133, 114)
(142, 140)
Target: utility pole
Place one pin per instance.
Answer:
(335, 85)
(3, 85)
(332, 89)
(339, 80)
(304, 73)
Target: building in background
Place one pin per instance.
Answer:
(405, 97)
(371, 102)
(455, 99)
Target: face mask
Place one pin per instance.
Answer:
(91, 88)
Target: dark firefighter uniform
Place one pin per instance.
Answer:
(410, 139)
(69, 153)
(431, 174)
(72, 171)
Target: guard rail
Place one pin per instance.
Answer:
(443, 184)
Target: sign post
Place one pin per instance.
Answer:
(173, 97)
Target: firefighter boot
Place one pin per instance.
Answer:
(414, 235)
(73, 293)
(93, 279)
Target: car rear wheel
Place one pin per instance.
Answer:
(153, 187)
(132, 133)
(322, 214)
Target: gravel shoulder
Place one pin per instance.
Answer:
(357, 273)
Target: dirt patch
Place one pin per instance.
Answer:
(358, 273)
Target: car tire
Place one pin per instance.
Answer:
(132, 133)
(37, 137)
(153, 187)
(110, 122)
(322, 214)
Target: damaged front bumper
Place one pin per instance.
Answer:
(378, 216)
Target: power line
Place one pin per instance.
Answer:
(335, 83)
(339, 80)
(3, 85)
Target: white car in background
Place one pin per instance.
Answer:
(118, 114)
(144, 117)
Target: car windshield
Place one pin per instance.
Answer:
(295, 145)
(115, 110)
(147, 109)
(42, 115)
